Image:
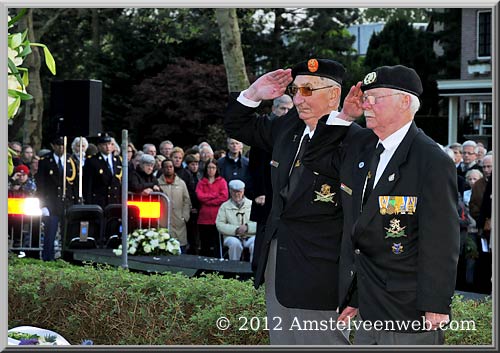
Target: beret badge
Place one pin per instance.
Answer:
(370, 78)
(312, 65)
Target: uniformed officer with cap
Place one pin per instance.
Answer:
(399, 196)
(102, 174)
(301, 248)
(49, 180)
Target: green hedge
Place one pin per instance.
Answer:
(116, 307)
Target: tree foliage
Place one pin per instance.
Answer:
(400, 43)
(179, 103)
(388, 14)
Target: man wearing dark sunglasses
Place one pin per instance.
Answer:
(301, 247)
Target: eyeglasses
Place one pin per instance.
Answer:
(130, 151)
(305, 91)
(372, 100)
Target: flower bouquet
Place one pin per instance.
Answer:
(150, 242)
(31, 335)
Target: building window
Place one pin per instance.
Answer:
(484, 34)
(480, 116)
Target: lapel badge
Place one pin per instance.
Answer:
(325, 195)
(361, 165)
(391, 177)
(101, 171)
(51, 172)
(397, 248)
(297, 163)
(395, 230)
(274, 164)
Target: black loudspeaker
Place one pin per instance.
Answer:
(75, 107)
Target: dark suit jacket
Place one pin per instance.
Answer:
(49, 183)
(397, 278)
(308, 231)
(101, 186)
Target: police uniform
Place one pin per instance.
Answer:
(101, 184)
(306, 217)
(49, 180)
(400, 249)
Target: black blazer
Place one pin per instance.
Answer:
(398, 278)
(49, 181)
(101, 186)
(308, 231)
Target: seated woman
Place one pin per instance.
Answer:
(141, 179)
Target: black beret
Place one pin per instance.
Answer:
(397, 77)
(103, 137)
(320, 67)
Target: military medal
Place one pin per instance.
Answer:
(397, 248)
(325, 195)
(395, 230)
(383, 202)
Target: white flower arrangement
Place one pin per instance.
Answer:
(150, 242)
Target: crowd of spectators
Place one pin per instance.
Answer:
(197, 181)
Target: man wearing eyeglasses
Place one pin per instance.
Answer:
(401, 230)
(301, 248)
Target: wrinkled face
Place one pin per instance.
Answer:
(193, 167)
(148, 168)
(480, 153)
(234, 146)
(106, 147)
(168, 168)
(382, 110)
(211, 170)
(468, 154)
(205, 154)
(312, 108)
(458, 155)
(177, 158)
(166, 149)
(151, 150)
(472, 178)
(487, 166)
(237, 195)
(282, 108)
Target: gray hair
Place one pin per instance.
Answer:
(469, 143)
(76, 143)
(147, 159)
(284, 99)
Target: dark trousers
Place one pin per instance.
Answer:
(193, 236)
(51, 224)
(210, 240)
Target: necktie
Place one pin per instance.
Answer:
(370, 176)
(110, 163)
(295, 171)
(59, 164)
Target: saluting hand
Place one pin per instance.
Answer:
(352, 109)
(269, 86)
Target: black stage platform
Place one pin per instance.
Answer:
(189, 265)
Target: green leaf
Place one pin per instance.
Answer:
(25, 34)
(24, 96)
(18, 16)
(13, 107)
(15, 72)
(26, 50)
(26, 78)
(49, 59)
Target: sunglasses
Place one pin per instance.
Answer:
(305, 91)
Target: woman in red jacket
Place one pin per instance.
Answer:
(212, 192)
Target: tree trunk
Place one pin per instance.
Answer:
(33, 110)
(232, 53)
(96, 37)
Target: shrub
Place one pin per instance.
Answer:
(117, 307)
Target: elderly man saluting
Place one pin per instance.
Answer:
(399, 194)
(301, 248)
